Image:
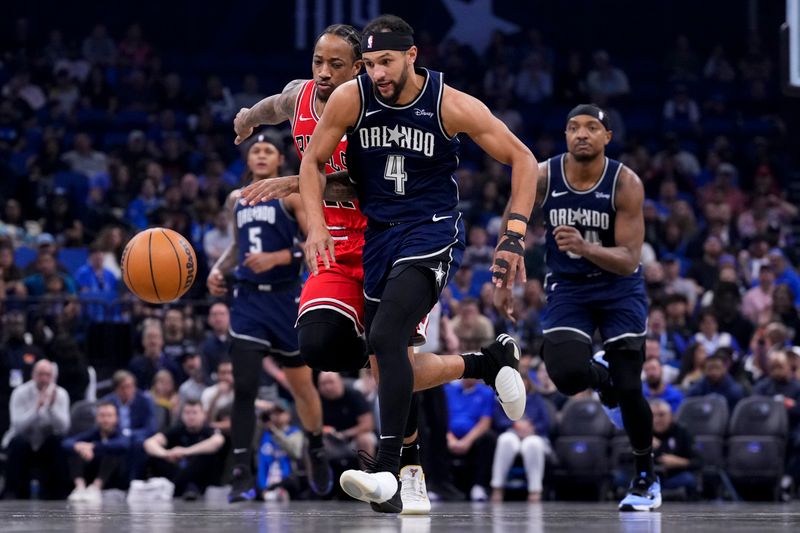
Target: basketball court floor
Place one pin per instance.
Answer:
(353, 517)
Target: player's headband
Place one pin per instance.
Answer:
(591, 110)
(261, 138)
(387, 40)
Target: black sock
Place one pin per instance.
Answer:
(410, 454)
(473, 365)
(314, 440)
(643, 462)
(244, 459)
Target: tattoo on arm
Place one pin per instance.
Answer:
(541, 185)
(338, 187)
(227, 261)
(278, 107)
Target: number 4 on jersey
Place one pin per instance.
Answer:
(395, 171)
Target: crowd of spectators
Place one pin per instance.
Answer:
(99, 139)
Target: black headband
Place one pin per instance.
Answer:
(591, 110)
(387, 40)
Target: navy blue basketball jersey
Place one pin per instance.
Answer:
(400, 158)
(265, 227)
(591, 211)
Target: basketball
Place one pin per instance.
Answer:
(158, 265)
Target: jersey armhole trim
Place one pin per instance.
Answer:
(439, 99)
(363, 108)
(547, 187)
(298, 99)
(614, 188)
(286, 211)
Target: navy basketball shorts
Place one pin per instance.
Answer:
(438, 246)
(617, 308)
(266, 318)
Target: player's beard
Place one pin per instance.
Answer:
(585, 157)
(398, 86)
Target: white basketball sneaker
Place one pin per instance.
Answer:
(413, 492)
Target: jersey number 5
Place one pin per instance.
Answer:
(254, 234)
(395, 171)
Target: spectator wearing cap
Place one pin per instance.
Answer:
(785, 274)
(757, 302)
(717, 380)
(98, 286)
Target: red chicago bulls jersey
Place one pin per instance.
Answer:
(344, 219)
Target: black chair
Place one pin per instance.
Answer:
(81, 416)
(757, 443)
(706, 418)
(582, 448)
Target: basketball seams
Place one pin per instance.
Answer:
(180, 270)
(150, 258)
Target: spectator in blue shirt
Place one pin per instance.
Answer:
(97, 456)
(137, 417)
(99, 286)
(141, 207)
(655, 386)
(470, 437)
(717, 380)
(46, 267)
(527, 437)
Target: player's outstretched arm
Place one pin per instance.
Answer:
(227, 261)
(622, 259)
(464, 113)
(341, 113)
(337, 188)
(271, 110)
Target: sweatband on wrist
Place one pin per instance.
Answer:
(517, 226)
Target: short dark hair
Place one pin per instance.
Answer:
(391, 23)
(105, 403)
(346, 32)
(192, 403)
(225, 361)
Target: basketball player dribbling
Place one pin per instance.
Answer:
(400, 124)
(331, 322)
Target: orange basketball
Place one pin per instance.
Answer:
(158, 265)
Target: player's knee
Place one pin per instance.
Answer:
(568, 363)
(625, 367)
(329, 342)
